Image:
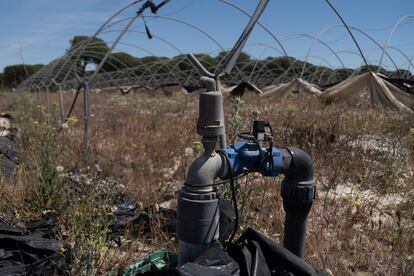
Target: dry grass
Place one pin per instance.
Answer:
(362, 157)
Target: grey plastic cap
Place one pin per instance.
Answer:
(211, 117)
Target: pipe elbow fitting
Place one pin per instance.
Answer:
(205, 169)
(298, 184)
(299, 168)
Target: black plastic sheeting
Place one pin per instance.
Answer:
(35, 250)
(127, 215)
(252, 254)
(214, 261)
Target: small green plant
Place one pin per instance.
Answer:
(198, 148)
(235, 120)
(47, 194)
(89, 222)
(254, 115)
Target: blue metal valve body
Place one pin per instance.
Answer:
(247, 156)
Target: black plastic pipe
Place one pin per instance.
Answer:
(298, 191)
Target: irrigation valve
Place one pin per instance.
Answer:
(198, 201)
(250, 156)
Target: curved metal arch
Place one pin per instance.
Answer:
(154, 36)
(410, 64)
(375, 42)
(390, 35)
(241, 70)
(48, 68)
(258, 23)
(361, 32)
(68, 57)
(31, 80)
(153, 74)
(287, 71)
(348, 30)
(263, 65)
(334, 70)
(109, 62)
(86, 43)
(269, 75)
(189, 73)
(317, 39)
(412, 57)
(142, 65)
(314, 38)
(168, 18)
(358, 70)
(323, 61)
(256, 62)
(319, 82)
(104, 25)
(171, 19)
(189, 25)
(137, 59)
(334, 74)
(323, 43)
(159, 38)
(93, 54)
(137, 47)
(89, 54)
(277, 69)
(69, 60)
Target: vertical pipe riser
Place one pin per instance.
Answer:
(197, 223)
(86, 115)
(298, 191)
(295, 226)
(62, 108)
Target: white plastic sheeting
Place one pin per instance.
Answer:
(295, 87)
(371, 87)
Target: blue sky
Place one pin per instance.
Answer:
(37, 31)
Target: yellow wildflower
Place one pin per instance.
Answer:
(72, 120)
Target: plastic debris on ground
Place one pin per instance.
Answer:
(252, 254)
(9, 153)
(35, 250)
(126, 214)
(161, 261)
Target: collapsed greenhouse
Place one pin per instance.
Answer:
(289, 76)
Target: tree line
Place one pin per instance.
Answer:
(96, 49)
